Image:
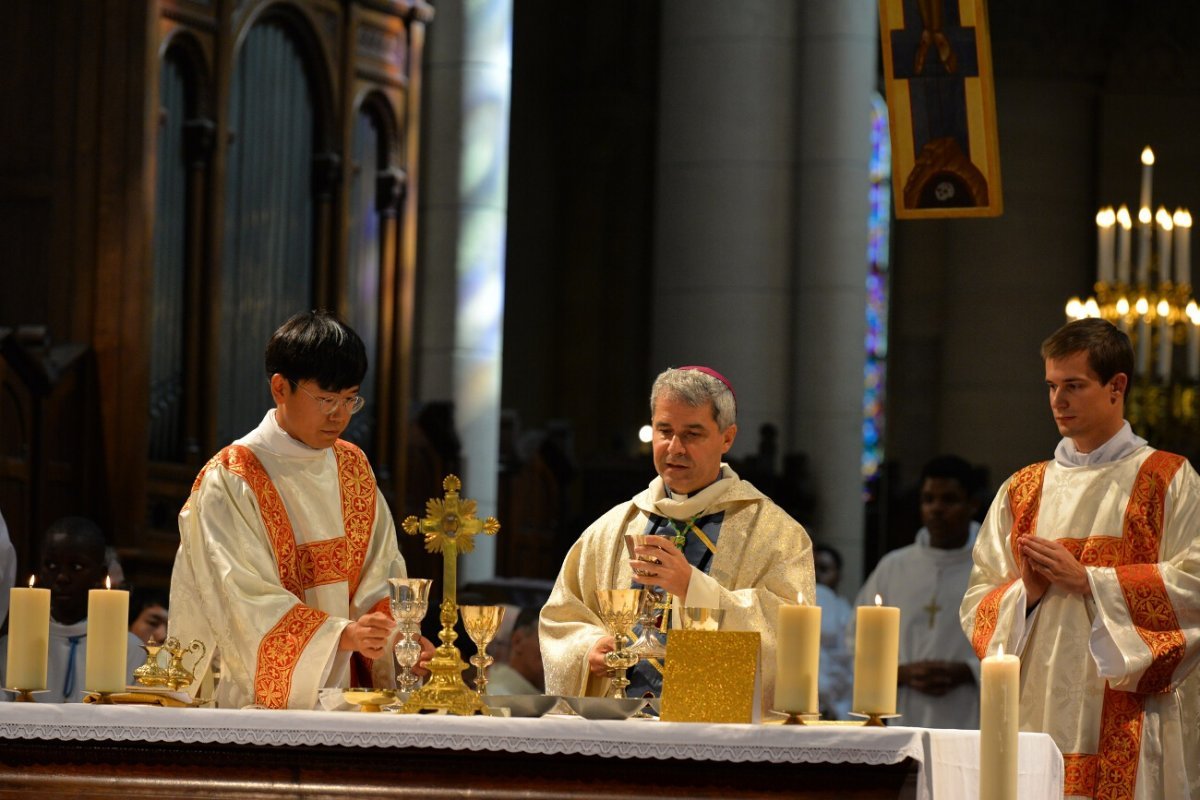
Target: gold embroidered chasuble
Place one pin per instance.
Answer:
(281, 547)
(763, 558)
(1102, 675)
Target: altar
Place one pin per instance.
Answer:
(73, 750)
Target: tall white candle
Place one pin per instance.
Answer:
(1164, 224)
(1142, 356)
(28, 637)
(1105, 244)
(1165, 342)
(876, 657)
(797, 658)
(1193, 349)
(1147, 172)
(1145, 225)
(107, 640)
(1124, 244)
(999, 710)
(1183, 246)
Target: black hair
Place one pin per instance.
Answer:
(85, 533)
(834, 554)
(952, 468)
(141, 598)
(527, 618)
(317, 346)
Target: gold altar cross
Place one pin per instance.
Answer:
(449, 527)
(932, 609)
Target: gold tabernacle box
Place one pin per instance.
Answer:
(710, 676)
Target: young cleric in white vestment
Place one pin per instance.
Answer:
(1088, 567)
(740, 552)
(286, 543)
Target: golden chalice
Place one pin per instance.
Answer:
(481, 623)
(619, 609)
(656, 603)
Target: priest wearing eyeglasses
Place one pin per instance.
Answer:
(730, 547)
(286, 543)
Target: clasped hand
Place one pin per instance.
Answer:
(1045, 563)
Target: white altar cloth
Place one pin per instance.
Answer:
(948, 760)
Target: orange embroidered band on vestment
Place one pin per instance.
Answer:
(241, 461)
(279, 652)
(358, 506)
(1024, 500)
(1079, 774)
(986, 617)
(321, 563)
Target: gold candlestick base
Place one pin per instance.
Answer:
(103, 698)
(873, 719)
(24, 695)
(445, 690)
(793, 718)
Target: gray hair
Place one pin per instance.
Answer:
(697, 389)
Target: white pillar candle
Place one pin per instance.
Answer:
(1124, 244)
(876, 657)
(1105, 243)
(1142, 355)
(797, 658)
(107, 640)
(1183, 247)
(28, 637)
(1145, 224)
(1165, 343)
(1194, 351)
(1164, 224)
(999, 710)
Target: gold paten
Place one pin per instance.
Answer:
(449, 527)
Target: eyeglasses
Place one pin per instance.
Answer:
(329, 405)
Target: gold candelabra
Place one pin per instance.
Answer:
(1151, 300)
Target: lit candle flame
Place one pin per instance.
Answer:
(1144, 216)
(1000, 651)
(1182, 218)
(107, 581)
(1163, 218)
(878, 600)
(1105, 217)
(32, 580)
(1142, 306)
(1147, 156)
(1164, 308)
(1122, 306)
(1123, 218)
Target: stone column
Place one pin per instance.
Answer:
(837, 76)
(724, 208)
(463, 220)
